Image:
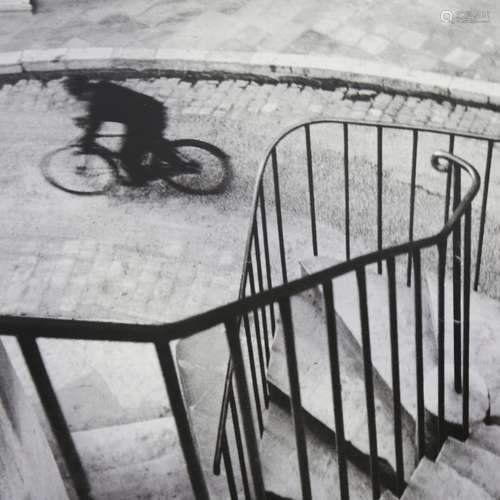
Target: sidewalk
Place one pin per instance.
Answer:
(417, 36)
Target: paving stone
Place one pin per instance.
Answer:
(389, 31)
(411, 39)
(373, 44)
(327, 25)
(348, 35)
(381, 101)
(461, 57)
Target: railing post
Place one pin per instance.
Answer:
(441, 339)
(457, 278)
(396, 390)
(379, 193)
(346, 194)
(239, 445)
(233, 339)
(178, 407)
(260, 282)
(266, 253)
(258, 338)
(412, 200)
(310, 178)
(336, 388)
(466, 320)
(419, 356)
(279, 220)
(54, 414)
(369, 394)
(482, 220)
(226, 455)
(293, 378)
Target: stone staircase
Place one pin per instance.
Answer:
(462, 470)
(129, 445)
(469, 466)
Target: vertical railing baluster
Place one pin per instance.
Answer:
(466, 320)
(265, 237)
(226, 456)
(379, 194)
(441, 338)
(457, 279)
(368, 373)
(258, 337)
(419, 354)
(167, 365)
(310, 178)
(346, 194)
(451, 148)
(331, 325)
(245, 408)
(279, 220)
(239, 445)
(260, 281)
(482, 220)
(396, 389)
(253, 373)
(54, 414)
(296, 405)
(412, 200)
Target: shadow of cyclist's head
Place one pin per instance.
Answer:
(78, 86)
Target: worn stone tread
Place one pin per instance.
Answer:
(315, 383)
(438, 481)
(487, 437)
(346, 305)
(281, 476)
(475, 463)
(484, 346)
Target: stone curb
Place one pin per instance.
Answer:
(264, 65)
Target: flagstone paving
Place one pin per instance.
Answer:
(455, 38)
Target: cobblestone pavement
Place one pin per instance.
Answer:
(95, 280)
(416, 35)
(238, 98)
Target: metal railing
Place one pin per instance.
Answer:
(259, 277)
(260, 301)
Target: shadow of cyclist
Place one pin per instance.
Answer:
(144, 119)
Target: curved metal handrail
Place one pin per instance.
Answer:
(302, 284)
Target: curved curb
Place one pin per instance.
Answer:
(271, 65)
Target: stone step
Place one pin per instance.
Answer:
(99, 384)
(315, 383)
(487, 437)
(280, 464)
(347, 308)
(134, 461)
(438, 481)
(473, 462)
(484, 346)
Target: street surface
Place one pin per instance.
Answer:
(455, 37)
